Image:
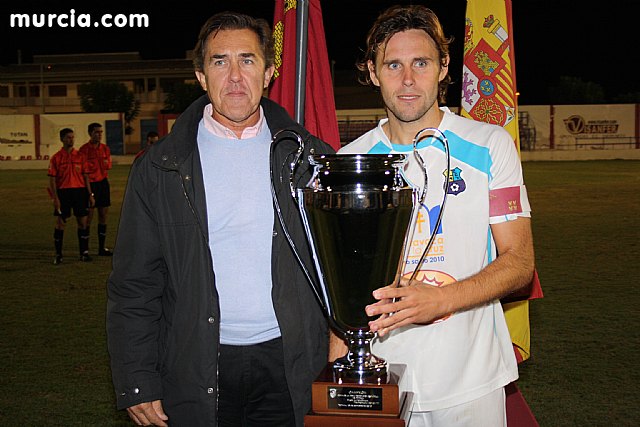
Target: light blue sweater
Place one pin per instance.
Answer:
(240, 219)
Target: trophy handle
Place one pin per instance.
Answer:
(293, 166)
(440, 136)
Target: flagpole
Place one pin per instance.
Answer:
(302, 24)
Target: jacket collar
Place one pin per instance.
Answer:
(181, 142)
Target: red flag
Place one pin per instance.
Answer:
(319, 109)
(284, 34)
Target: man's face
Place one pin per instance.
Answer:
(234, 76)
(152, 140)
(96, 135)
(67, 140)
(408, 71)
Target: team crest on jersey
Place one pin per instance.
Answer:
(456, 183)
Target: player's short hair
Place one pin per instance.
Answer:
(92, 126)
(64, 132)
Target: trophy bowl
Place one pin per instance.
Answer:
(356, 211)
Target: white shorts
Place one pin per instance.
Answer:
(487, 411)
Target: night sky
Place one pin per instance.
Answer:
(596, 42)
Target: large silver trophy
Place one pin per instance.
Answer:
(358, 213)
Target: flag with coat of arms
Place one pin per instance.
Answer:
(489, 75)
(489, 95)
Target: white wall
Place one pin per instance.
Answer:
(583, 127)
(51, 124)
(17, 135)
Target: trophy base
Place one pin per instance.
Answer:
(338, 420)
(350, 404)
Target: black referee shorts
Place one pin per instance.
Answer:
(101, 193)
(76, 199)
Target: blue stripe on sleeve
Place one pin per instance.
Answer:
(465, 151)
(379, 148)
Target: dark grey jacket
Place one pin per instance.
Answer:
(163, 310)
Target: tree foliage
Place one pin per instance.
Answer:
(573, 90)
(181, 96)
(105, 96)
(627, 98)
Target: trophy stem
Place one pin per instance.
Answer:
(359, 365)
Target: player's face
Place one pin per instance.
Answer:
(408, 71)
(67, 140)
(234, 76)
(96, 135)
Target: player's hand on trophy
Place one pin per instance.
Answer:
(409, 303)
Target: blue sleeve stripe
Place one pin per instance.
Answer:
(472, 154)
(379, 148)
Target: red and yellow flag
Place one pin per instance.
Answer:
(489, 95)
(319, 109)
(489, 75)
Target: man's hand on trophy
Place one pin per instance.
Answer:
(337, 345)
(148, 414)
(416, 302)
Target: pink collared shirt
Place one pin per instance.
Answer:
(222, 131)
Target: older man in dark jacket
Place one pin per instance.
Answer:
(177, 279)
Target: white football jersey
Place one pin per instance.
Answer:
(467, 354)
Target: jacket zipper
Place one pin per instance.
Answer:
(193, 211)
